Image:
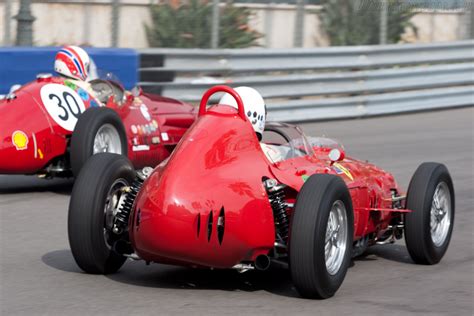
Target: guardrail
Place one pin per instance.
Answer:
(322, 83)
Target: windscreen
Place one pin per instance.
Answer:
(283, 141)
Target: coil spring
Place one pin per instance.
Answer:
(123, 214)
(277, 201)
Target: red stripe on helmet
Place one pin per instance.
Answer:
(72, 51)
(68, 62)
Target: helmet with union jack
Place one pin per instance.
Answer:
(72, 62)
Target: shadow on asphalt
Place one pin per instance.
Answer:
(28, 184)
(395, 252)
(61, 260)
(276, 281)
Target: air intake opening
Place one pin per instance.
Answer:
(198, 224)
(221, 225)
(209, 225)
(138, 218)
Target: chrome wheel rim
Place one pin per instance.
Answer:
(440, 219)
(107, 140)
(336, 237)
(115, 199)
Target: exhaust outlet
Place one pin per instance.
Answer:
(262, 262)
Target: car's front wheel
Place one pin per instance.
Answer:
(429, 226)
(321, 236)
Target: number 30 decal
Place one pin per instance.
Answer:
(63, 104)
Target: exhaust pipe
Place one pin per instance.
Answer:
(262, 262)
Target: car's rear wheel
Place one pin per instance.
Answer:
(96, 197)
(98, 130)
(321, 236)
(429, 226)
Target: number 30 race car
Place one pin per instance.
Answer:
(219, 202)
(52, 125)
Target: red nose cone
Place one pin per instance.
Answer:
(25, 135)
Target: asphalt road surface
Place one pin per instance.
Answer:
(39, 276)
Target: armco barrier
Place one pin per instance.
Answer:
(19, 65)
(321, 83)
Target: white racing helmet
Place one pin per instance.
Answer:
(254, 106)
(72, 62)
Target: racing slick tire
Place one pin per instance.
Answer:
(429, 226)
(103, 176)
(321, 236)
(97, 130)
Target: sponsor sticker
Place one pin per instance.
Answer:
(134, 129)
(93, 104)
(20, 140)
(83, 94)
(140, 148)
(165, 137)
(137, 101)
(145, 113)
(146, 129)
(70, 84)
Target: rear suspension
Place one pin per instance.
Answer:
(276, 195)
(123, 214)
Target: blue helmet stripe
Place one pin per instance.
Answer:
(78, 66)
(67, 53)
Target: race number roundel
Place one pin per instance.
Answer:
(63, 104)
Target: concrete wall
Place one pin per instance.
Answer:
(277, 23)
(74, 22)
(77, 23)
(440, 27)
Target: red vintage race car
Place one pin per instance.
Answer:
(52, 125)
(220, 202)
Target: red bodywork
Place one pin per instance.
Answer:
(214, 179)
(48, 143)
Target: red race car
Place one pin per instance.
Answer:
(220, 202)
(52, 125)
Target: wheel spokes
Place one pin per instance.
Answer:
(440, 219)
(335, 237)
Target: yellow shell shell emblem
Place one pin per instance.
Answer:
(20, 140)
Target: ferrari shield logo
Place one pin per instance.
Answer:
(341, 169)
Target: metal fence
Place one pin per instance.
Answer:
(322, 83)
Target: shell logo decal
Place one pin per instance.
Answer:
(20, 140)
